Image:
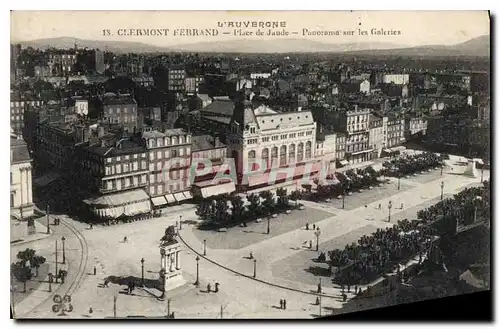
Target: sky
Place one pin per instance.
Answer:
(416, 27)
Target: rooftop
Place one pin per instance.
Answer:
(205, 142)
(221, 107)
(18, 151)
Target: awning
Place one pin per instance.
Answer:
(398, 148)
(187, 195)
(344, 162)
(46, 179)
(180, 196)
(159, 201)
(214, 190)
(170, 198)
(118, 199)
(137, 208)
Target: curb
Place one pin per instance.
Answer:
(255, 279)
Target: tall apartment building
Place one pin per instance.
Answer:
(119, 109)
(395, 131)
(378, 135)
(355, 124)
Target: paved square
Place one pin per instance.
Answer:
(360, 199)
(301, 267)
(240, 237)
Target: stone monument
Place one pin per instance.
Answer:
(471, 170)
(170, 273)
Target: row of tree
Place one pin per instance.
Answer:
(22, 269)
(411, 164)
(342, 183)
(226, 211)
(371, 256)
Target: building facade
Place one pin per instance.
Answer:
(395, 131)
(119, 109)
(377, 141)
(21, 193)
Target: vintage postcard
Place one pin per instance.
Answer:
(247, 164)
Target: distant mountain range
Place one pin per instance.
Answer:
(479, 46)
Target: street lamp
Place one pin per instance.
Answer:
(56, 262)
(254, 267)
(268, 228)
(343, 200)
(389, 206)
(197, 283)
(204, 247)
(317, 233)
(442, 187)
(477, 199)
(399, 182)
(64, 252)
(51, 278)
(442, 170)
(142, 270)
(180, 222)
(48, 223)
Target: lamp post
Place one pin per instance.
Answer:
(48, 222)
(442, 187)
(197, 283)
(142, 270)
(51, 278)
(64, 251)
(317, 233)
(477, 199)
(343, 200)
(268, 227)
(56, 262)
(204, 247)
(399, 182)
(390, 207)
(254, 267)
(180, 222)
(441, 170)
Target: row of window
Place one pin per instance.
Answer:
(168, 175)
(123, 183)
(165, 141)
(167, 154)
(125, 167)
(357, 147)
(118, 110)
(285, 136)
(21, 103)
(357, 119)
(292, 155)
(16, 118)
(160, 189)
(126, 157)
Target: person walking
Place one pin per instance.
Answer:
(284, 304)
(307, 226)
(281, 304)
(95, 270)
(314, 226)
(209, 287)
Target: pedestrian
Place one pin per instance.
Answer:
(91, 226)
(91, 310)
(319, 288)
(125, 239)
(366, 206)
(401, 205)
(281, 304)
(106, 282)
(251, 255)
(317, 300)
(95, 270)
(310, 244)
(348, 288)
(356, 290)
(284, 304)
(209, 288)
(307, 226)
(314, 226)
(379, 206)
(216, 287)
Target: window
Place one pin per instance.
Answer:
(135, 165)
(118, 169)
(143, 164)
(167, 154)
(159, 154)
(251, 160)
(151, 179)
(291, 153)
(158, 166)
(274, 155)
(265, 139)
(274, 138)
(283, 136)
(265, 156)
(300, 152)
(174, 153)
(151, 156)
(252, 130)
(135, 156)
(283, 155)
(11, 180)
(118, 159)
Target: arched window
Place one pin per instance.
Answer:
(160, 141)
(282, 155)
(308, 150)
(274, 155)
(251, 161)
(265, 157)
(291, 153)
(174, 140)
(153, 142)
(181, 140)
(300, 152)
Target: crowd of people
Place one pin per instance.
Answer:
(374, 255)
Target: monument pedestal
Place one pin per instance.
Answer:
(170, 250)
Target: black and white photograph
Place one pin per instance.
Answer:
(247, 164)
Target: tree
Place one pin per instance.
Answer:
(222, 208)
(21, 272)
(295, 195)
(36, 262)
(238, 208)
(254, 207)
(26, 256)
(203, 210)
(268, 203)
(281, 193)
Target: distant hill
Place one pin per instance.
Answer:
(475, 47)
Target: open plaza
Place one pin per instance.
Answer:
(253, 269)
